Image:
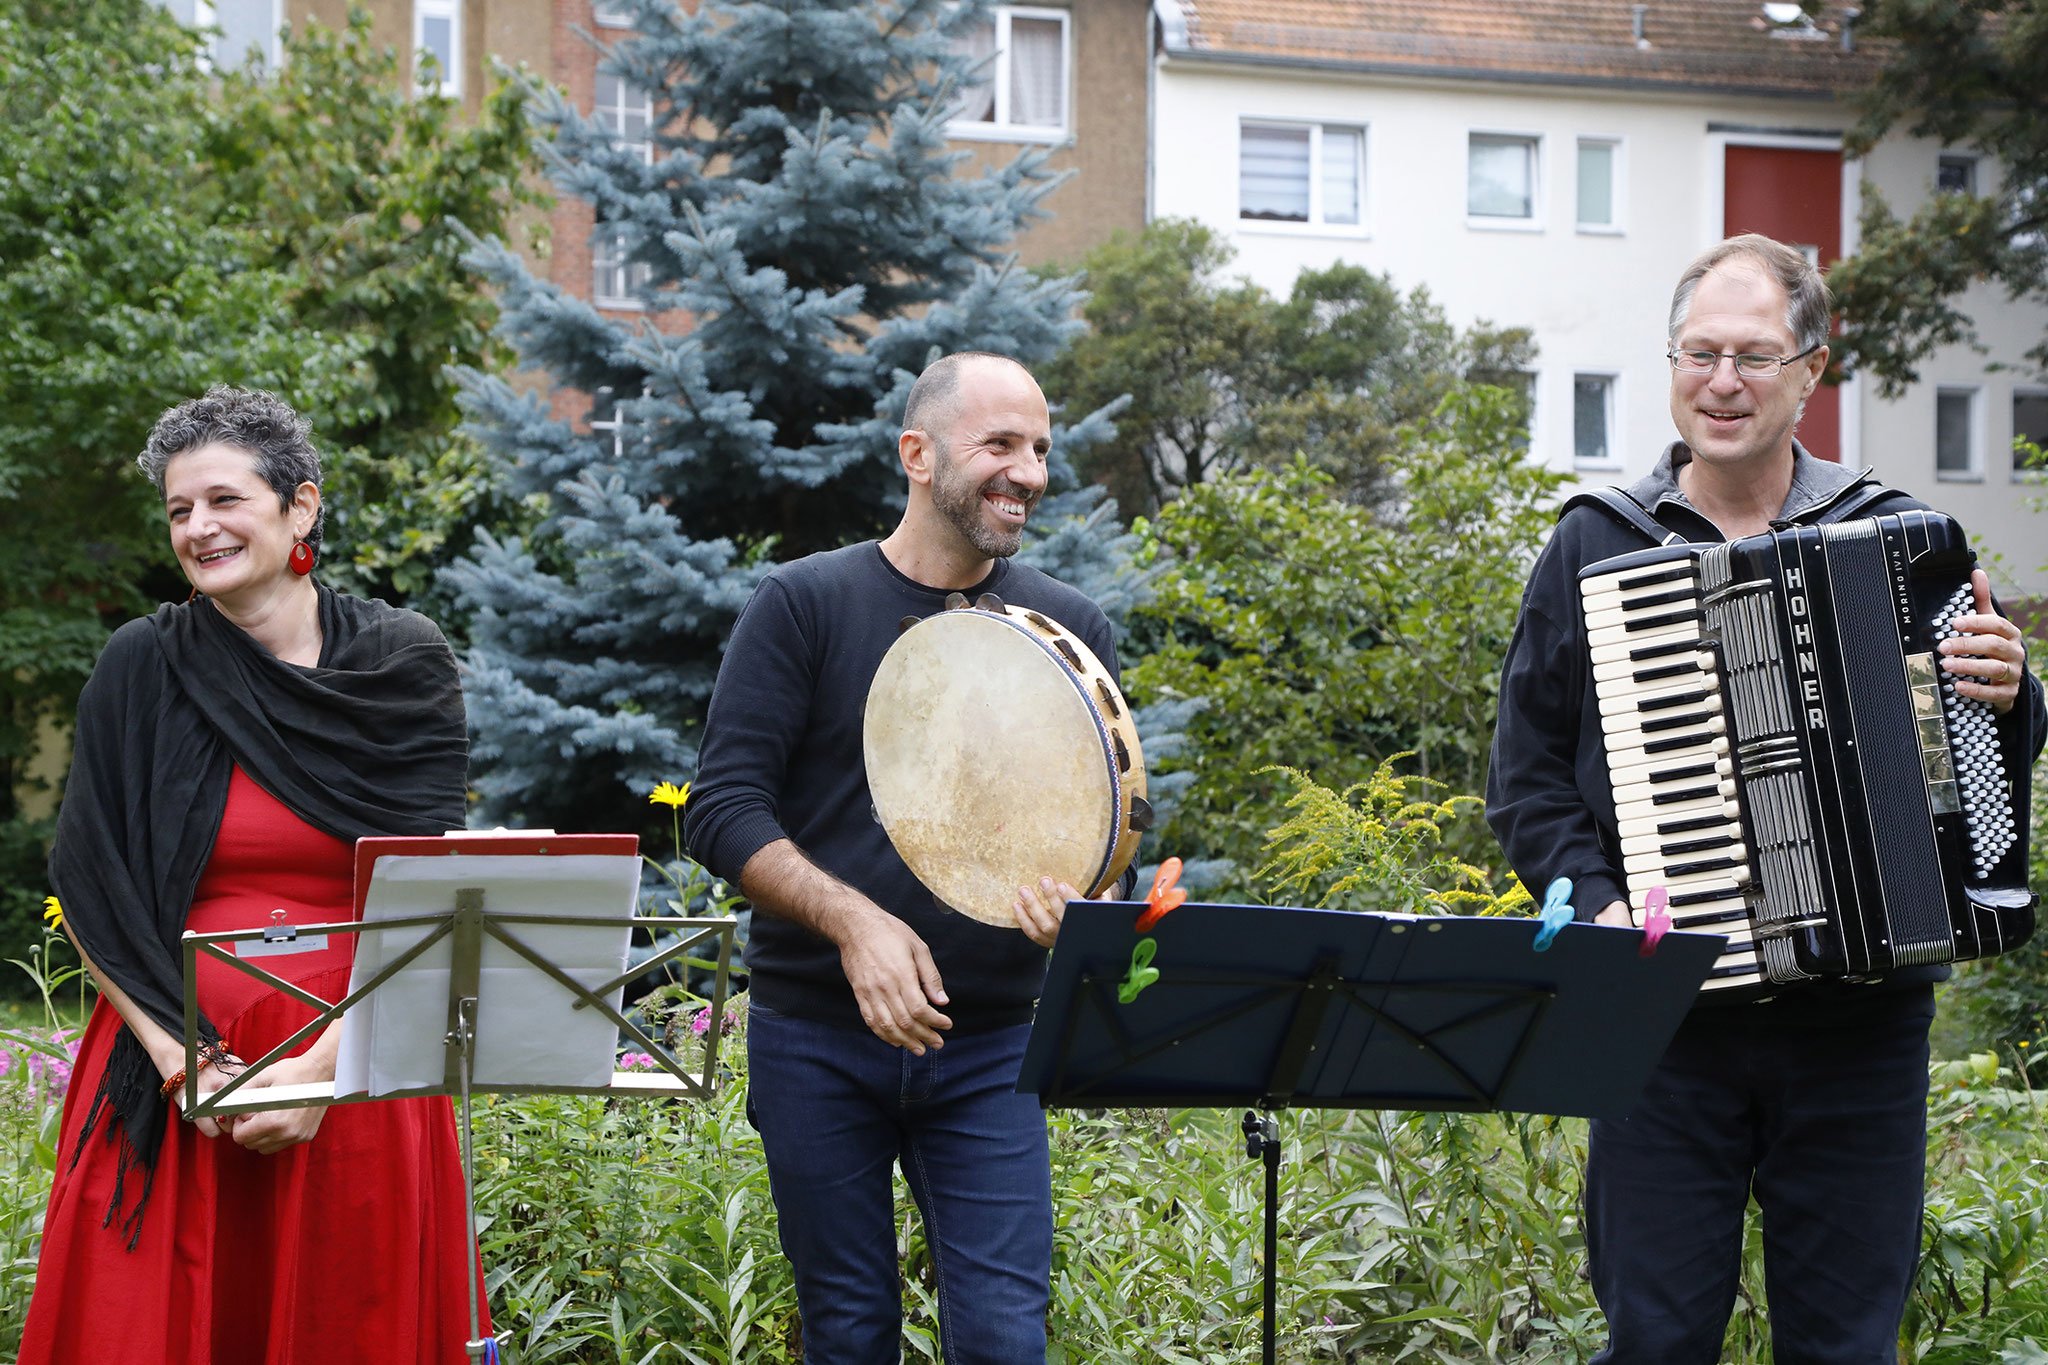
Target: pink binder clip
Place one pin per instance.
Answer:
(1656, 920)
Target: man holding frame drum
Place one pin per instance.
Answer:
(884, 1027)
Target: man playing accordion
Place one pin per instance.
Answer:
(1812, 1098)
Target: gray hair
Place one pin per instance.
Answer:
(258, 423)
(934, 397)
(1807, 304)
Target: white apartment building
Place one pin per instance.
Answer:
(1555, 164)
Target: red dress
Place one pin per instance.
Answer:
(345, 1249)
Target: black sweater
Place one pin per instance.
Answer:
(782, 758)
(1547, 795)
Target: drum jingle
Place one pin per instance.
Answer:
(999, 751)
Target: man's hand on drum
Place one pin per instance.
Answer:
(1041, 908)
(895, 982)
(1987, 657)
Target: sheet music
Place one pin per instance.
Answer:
(527, 1032)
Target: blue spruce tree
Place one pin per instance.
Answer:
(795, 212)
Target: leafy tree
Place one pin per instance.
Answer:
(802, 246)
(1223, 377)
(163, 229)
(1969, 73)
(353, 188)
(1329, 637)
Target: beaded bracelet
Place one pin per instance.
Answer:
(215, 1055)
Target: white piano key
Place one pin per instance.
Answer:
(1645, 817)
(1607, 627)
(1631, 647)
(1623, 697)
(1632, 722)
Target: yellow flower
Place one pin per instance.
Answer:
(53, 913)
(669, 794)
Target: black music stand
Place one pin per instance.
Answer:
(1276, 1008)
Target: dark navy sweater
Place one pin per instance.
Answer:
(782, 758)
(1547, 795)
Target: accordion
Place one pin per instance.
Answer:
(1790, 761)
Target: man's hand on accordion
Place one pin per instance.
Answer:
(1617, 914)
(1987, 657)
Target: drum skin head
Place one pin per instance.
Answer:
(986, 764)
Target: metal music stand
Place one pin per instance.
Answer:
(1278, 1008)
(467, 926)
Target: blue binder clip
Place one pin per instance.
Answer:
(1557, 913)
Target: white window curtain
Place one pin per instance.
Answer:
(1343, 166)
(1037, 73)
(1502, 178)
(1596, 184)
(1273, 169)
(615, 282)
(626, 111)
(246, 25)
(977, 102)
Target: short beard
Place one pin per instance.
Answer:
(960, 502)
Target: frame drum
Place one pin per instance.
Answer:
(999, 751)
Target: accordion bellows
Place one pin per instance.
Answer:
(1791, 762)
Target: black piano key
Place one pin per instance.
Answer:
(1690, 720)
(1697, 845)
(1660, 620)
(1738, 969)
(1670, 575)
(1664, 650)
(1687, 794)
(1697, 822)
(1658, 599)
(1666, 671)
(1681, 774)
(1677, 870)
(1666, 702)
(1738, 914)
(1683, 898)
(1678, 742)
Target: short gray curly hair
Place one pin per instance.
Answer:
(264, 425)
(1807, 303)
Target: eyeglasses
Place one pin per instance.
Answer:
(1748, 364)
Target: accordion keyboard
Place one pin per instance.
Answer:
(1666, 733)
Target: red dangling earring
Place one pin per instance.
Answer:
(302, 559)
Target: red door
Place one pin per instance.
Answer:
(1794, 195)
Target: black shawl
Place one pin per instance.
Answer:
(370, 741)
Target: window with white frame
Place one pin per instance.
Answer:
(2030, 424)
(1956, 175)
(1599, 184)
(437, 29)
(1020, 90)
(616, 281)
(606, 418)
(1501, 179)
(1301, 173)
(627, 111)
(1593, 436)
(1955, 434)
(610, 16)
(249, 29)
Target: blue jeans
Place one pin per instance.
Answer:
(837, 1111)
(1824, 1119)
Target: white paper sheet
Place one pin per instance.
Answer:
(527, 1031)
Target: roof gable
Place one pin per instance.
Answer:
(1688, 44)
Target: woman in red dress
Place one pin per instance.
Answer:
(228, 753)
